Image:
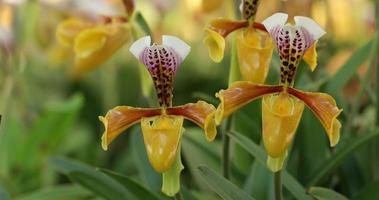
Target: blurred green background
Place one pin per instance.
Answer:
(48, 117)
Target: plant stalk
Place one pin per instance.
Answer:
(278, 185)
(226, 148)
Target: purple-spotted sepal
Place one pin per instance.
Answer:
(162, 61)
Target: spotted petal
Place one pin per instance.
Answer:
(326, 110)
(201, 113)
(239, 94)
(120, 118)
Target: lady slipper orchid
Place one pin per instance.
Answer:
(93, 42)
(282, 105)
(162, 127)
(254, 44)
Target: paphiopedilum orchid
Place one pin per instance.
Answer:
(162, 126)
(254, 44)
(93, 41)
(282, 105)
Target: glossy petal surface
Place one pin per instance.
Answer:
(281, 114)
(201, 113)
(162, 136)
(254, 50)
(120, 118)
(239, 94)
(326, 110)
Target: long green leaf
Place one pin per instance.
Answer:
(330, 164)
(139, 191)
(320, 193)
(370, 191)
(289, 181)
(60, 192)
(92, 179)
(223, 187)
(349, 69)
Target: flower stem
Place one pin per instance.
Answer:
(179, 196)
(226, 148)
(278, 185)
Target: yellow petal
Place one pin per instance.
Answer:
(254, 50)
(215, 44)
(239, 94)
(68, 29)
(120, 118)
(310, 56)
(276, 164)
(281, 115)
(201, 113)
(162, 136)
(326, 110)
(94, 46)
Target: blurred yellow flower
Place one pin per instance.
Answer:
(282, 104)
(93, 42)
(162, 127)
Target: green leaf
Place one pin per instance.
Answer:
(60, 192)
(289, 181)
(223, 187)
(134, 187)
(348, 70)
(92, 179)
(142, 23)
(335, 160)
(4, 195)
(320, 193)
(370, 191)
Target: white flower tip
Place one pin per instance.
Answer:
(177, 44)
(311, 26)
(277, 19)
(138, 46)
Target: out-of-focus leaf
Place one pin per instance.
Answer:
(92, 179)
(60, 192)
(142, 23)
(222, 186)
(320, 193)
(347, 71)
(4, 195)
(139, 191)
(346, 150)
(50, 129)
(296, 189)
(151, 178)
(260, 182)
(370, 191)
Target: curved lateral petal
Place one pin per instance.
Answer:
(326, 110)
(215, 44)
(68, 29)
(239, 94)
(200, 113)
(226, 26)
(120, 118)
(95, 45)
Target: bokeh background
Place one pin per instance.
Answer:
(47, 113)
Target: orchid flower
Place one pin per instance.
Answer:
(162, 127)
(282, 104)
(93, 42)
(254, 45)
